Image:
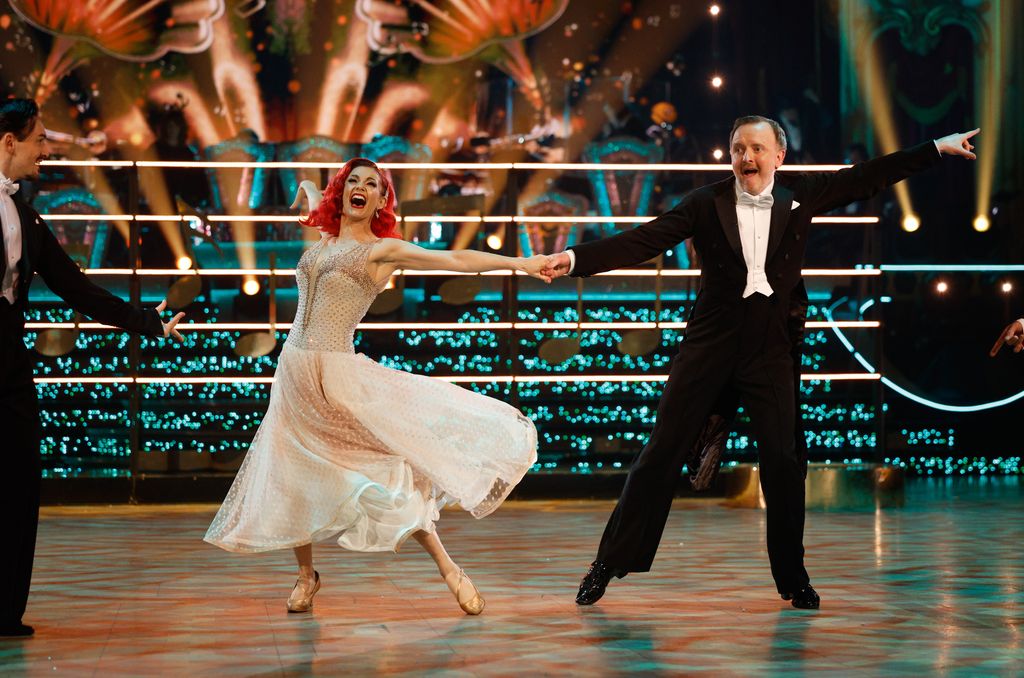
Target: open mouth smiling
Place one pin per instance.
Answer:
(358, 201)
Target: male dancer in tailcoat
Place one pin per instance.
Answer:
(28, 247)
(750, 232)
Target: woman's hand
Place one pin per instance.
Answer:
(312, 193)
(537, 267)
(169, 326)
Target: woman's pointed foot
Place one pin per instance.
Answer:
(465, 592)
(301, 599)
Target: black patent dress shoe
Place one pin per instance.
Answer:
(16, 631)
(595, 582)
(805, 599)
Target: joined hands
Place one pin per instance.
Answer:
(556, 265)
(547, 267)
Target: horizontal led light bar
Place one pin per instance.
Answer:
(222, 164)
(204, 380)
(638, 167)
(482, 379)
(952, 268)
(813, 324)
(84, 380)
(464, 219)
(660, 167)
(96, 217)
(620, 273)
(87, 163)
(188, 271)
(412, 219)
(469, 327)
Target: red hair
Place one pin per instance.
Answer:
(327, 217)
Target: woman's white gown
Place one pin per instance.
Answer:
(355, 451)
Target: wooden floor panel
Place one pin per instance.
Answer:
(936, 587)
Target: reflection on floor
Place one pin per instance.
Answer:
(937, 587)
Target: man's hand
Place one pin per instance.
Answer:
(169, 326)
(557, 265)
(1013, 336)
(536, 267)
(958, 144)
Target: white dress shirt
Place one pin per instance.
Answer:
(755, 225)
(10, 222)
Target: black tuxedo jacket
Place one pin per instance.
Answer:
(708, 215)
(40, 252)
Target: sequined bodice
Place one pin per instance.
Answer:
(335, 292)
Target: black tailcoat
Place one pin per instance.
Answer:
(732, 342)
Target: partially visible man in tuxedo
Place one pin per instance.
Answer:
(27, 247)
(1012, 335)
(750, 231)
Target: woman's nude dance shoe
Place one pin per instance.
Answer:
(301, 599)
(466, 594)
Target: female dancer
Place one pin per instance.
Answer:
(353, 450)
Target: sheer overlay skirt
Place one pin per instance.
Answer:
(352, 450)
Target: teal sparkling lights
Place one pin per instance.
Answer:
(585, 426)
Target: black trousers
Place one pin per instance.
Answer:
(19, 493)
(754, 358)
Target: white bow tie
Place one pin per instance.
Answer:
(8, 186)
(756, 201)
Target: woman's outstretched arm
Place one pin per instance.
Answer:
(394, 254)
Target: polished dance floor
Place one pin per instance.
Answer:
(934, 588)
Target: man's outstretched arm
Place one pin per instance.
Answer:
(67, 280)
(628, 248)
(865, 179)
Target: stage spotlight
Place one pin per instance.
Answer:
(873, 78)
(497, 239)
(1006, 287)
(251, 287)
(981, 223)
(942, 287)
(715, 10)
(911, 223)
(716, 82)
(717, 153)
(184, 263)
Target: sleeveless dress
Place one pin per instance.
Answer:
(355, 451)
